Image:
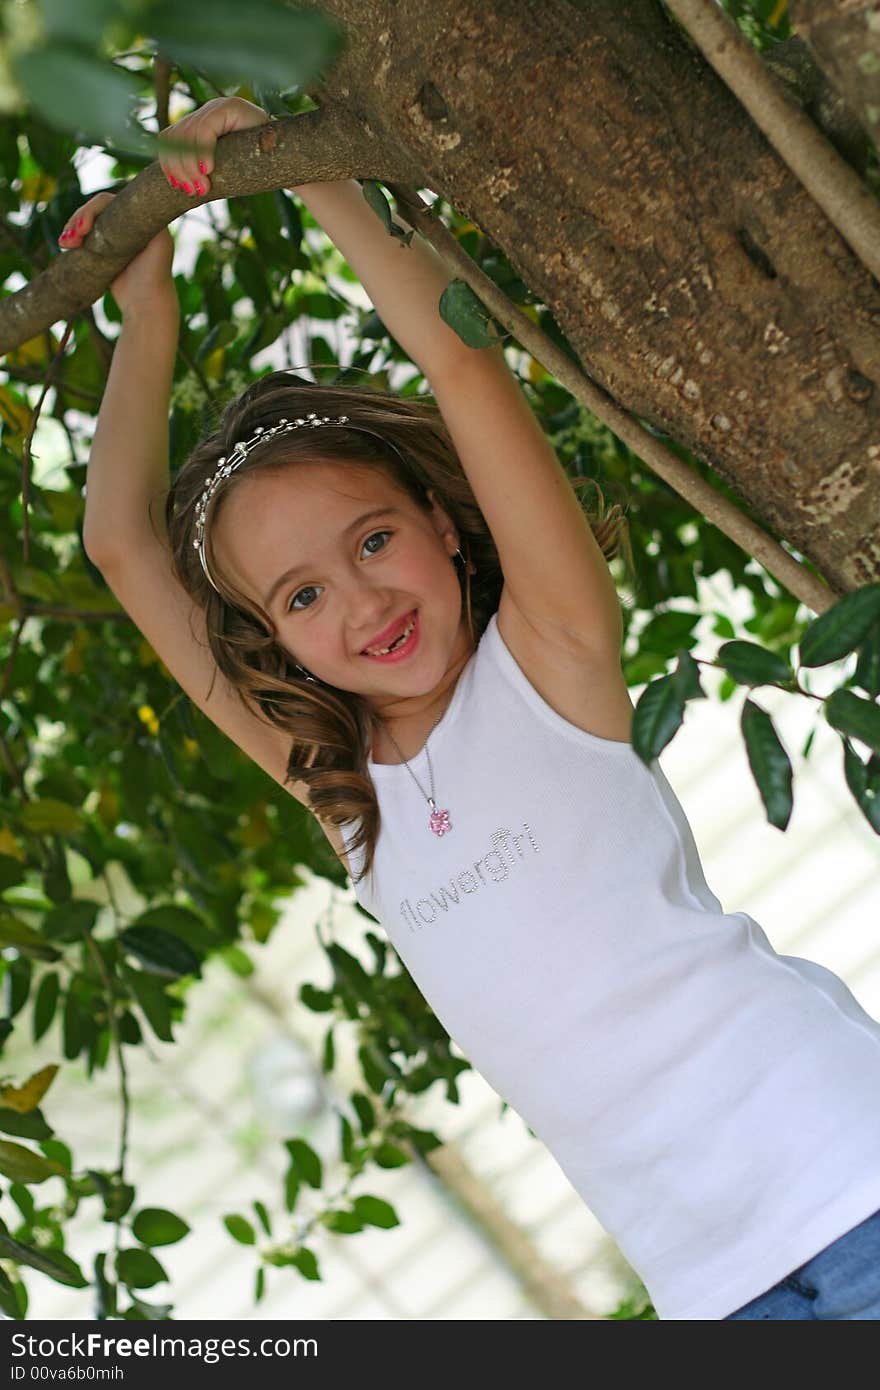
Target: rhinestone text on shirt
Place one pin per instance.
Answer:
(506, 853)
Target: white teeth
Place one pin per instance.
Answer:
(398, 642)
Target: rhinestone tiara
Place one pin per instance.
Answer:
(236, 458)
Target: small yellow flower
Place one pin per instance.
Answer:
(147, 715)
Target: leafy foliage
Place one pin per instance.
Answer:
(107, 764)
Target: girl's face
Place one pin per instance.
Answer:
(296, 541)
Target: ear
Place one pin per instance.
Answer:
(443, 523)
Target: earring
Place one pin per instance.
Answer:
(471, 567)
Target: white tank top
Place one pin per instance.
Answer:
(714, 1103)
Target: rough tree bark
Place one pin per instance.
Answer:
(844, 38)
(695, 278)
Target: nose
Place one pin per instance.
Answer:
(367, 611)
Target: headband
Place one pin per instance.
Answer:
(240, 452)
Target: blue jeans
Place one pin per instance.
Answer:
(842, 1282)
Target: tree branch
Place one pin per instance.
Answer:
(326, 145)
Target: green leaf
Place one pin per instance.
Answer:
(468, 316)
(424, 1140)
(686, 677)
(105, 1291)
(48, 816)
(390, 1156)
(8, 1301)
(867, 672)
(73, 1027)
(138, 1269)
(25, 1166)
(251, 276)
(56, 1265)
(723, 627)
(375, 1212)
(318, 1000)
(76, 91)
(659, 713)
(377, 201)
(29, 1126)
(852, 714)
(839, 630)
(769, 762)
(181, 922)
(116, 1195)
(752, 665)
(25, 939)
(157, 1226)
(84, 22)
(219, 336)
(152, 1000)
(240, 1229)
(24, 1200)
(11, 872)
(258, 41)
(306, 1263)
(377, 1067)
(160, 952)
(344, 1223)
(260, 1285)
(291, 1187)
(70, 921)
(346, 1139)
(305, 1160)
(863, 780)
(58, 1152)
(148, 1312)
(238, 961)
(328, 1056)
(365, 1112)
(263, 1216)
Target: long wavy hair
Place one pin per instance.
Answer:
(331, 729)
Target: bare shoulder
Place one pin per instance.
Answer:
(586, 687)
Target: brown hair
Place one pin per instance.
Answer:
(330, 729)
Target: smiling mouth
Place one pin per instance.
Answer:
(406, 641)
(398, 641)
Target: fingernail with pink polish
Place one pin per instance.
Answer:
(199, 188)
(203, 168)
(172, 180)
(186, 188)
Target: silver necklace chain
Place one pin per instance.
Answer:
(439, 821)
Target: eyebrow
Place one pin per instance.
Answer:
(298, 569)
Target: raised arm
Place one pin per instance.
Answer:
(554, 570)
(404, 282)
(128, 464)
(128, 478)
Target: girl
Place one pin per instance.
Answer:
(406, 618)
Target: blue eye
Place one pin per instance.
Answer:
(292, 607)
